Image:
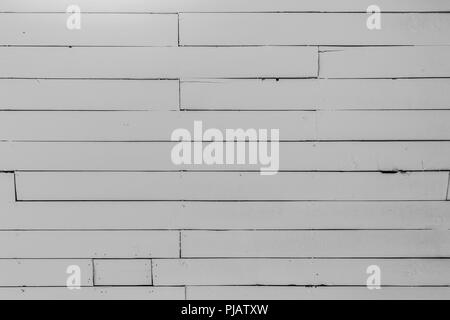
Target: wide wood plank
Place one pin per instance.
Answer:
(320, 244)
(313, 94)
(23, 94)
(88, 244)
(155, 156)
(135, 186)
(217, 215)
(222, 5)
(226, 216)
(385, 62)
(159, 126)
(143, 126)
(50, 273)
(159, 62)
(96, 30)
(315, 272)
(97, 293)
(137, 272)
(383, 125)
(319, 293)
(312, 29)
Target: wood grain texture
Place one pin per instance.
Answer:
(158, 62)
(314, 272)
(152, 186)
(88, 244)
(223, 5)
(201, 29)
(315, 244)
(96, 30)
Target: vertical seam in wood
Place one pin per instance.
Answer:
(447, 197)
(318, 62)
(15, 187)
(152, 278)
(93, 272)
(179, 244)
(178, 21)
(179, 95)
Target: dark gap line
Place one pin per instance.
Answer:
(281, 230)
(216, 201)
(309, 286)
(239, 258)
(226, 12)
(93, 272)
(448, 187)
(202, 79)
(252, 110)
(240, 201)
(15, 187)
(235, 171)
(173, 142)
(169, 141)
(70, 46)
(89, 110)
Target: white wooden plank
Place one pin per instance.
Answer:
(96, 30)
(88, 244)
(50, 273)
(88, 95)
(312, 29)
(222, 5)
(7, 188)
(159, 126)
(155, 156)
(313, 94)
(320, 293)
(136, 186)
(158, 62)
(383, 125)
(143, 126)
(314, 272)
(308, 244)
(384, 62)
(448, 196)
(98, 293)
(225, 216)
(123, 272)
